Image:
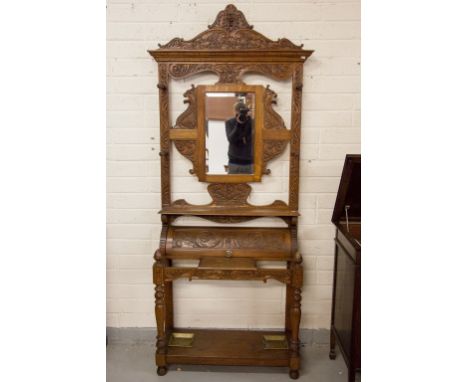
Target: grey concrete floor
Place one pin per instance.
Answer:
(134, 362)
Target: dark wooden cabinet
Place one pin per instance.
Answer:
(346, 307)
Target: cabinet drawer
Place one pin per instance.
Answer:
(197, 242)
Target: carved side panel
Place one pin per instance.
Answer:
(272, 149)
(188, 120)
(273, 121)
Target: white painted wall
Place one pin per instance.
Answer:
(331, 128)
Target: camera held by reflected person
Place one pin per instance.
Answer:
(243, 114)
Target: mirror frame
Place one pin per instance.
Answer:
(259, 91)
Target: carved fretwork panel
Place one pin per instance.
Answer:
(228, 195)
(225, 194)
(232, 73)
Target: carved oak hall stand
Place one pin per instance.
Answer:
(228, 160)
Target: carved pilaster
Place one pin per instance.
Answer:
(163, 86)
(295, 137)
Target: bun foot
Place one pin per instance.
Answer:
(294, 374)
(162, 370)
(332, 354)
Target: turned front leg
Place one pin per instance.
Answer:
(160, 311)
(295, 318)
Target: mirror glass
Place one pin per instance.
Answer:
(229, 132)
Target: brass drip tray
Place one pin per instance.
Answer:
(181, 339)
(275, 341)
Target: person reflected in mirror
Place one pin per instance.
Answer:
(239, 135)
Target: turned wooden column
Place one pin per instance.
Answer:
(295, 316)
(160, 312)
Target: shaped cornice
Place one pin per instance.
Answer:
(230, 31)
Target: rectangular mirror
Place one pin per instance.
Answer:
(229, 132)
(230, 127)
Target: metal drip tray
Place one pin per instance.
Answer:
(275, 341)
(181, 340)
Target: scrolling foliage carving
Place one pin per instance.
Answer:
(188, 120)
(230, 31)
(273, 121)
(226, 195)
(234, 239)
(231, 73)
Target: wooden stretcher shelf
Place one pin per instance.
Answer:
(228, 347)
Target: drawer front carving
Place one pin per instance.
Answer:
(198, 241)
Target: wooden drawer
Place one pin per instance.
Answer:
(260, 243)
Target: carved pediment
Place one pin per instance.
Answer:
(230, 31)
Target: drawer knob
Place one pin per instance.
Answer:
(228, 253)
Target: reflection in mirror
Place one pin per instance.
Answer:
(229, 130)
